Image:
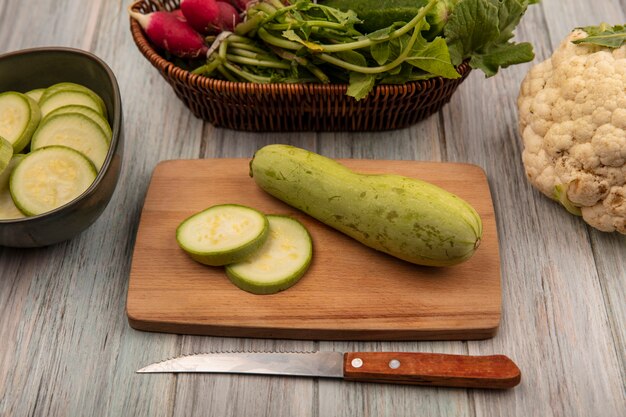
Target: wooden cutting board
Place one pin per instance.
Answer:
(351, 292)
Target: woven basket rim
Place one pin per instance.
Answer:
(208, 83)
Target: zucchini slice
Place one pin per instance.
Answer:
(279, 263)
(75, 131)
(69, 87)
(85, 111)
(35, 94)
(66, 97)
(8, 209)
(6, 153)
(65, 85)
(49, 178)
(222, 234)
(19, 117)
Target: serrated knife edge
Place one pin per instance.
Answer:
(317, 364)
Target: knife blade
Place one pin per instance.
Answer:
(415, 368)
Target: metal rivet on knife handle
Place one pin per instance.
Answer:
(394, 364)
(357, 362)
(496, 371)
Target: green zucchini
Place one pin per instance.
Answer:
(35, 94)
(19, 117)
(48, 178)
(75, 131)
(407, 218)
(222, 234)
(6, 153)
(67, 93)
(85, 111)
(68, 97)
(279, 263)
(8, 209)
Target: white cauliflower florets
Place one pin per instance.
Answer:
(572, 118)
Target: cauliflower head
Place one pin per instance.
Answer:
(572, 119)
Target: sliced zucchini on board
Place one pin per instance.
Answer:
(86, 111)
(6, 153)
(52, 93)
(279, 263)
(8, 209)
(50, 177)
(75, 131)
(222, 234)
(19, 117)
(35, 94)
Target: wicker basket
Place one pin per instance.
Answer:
(295, 107)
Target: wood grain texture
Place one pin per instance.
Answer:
(67, 348)
(350, 292)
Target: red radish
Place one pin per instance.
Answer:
(179, 14)
(200, 14)
(241, 5)
(168, 32)
(229, 17)
(209, 16)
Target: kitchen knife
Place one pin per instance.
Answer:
(496, 371)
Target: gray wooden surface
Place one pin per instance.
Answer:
(66, 348)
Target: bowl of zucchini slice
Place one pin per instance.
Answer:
(61, 143)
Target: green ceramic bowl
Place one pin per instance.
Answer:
(40, 67)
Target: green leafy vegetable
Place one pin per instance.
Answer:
(604, 35)
(360, 84)
(432, 57)
(472, 25)
(380, 52)
(377, 14)
(502, 56)
(481, 30)
(303, 41)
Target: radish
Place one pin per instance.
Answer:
(241, 5)
(179, 14)
(210, 16)
(228, 17)
(171, 33)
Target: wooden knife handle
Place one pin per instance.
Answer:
(496, 371)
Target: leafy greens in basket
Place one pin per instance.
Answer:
(329, 42)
